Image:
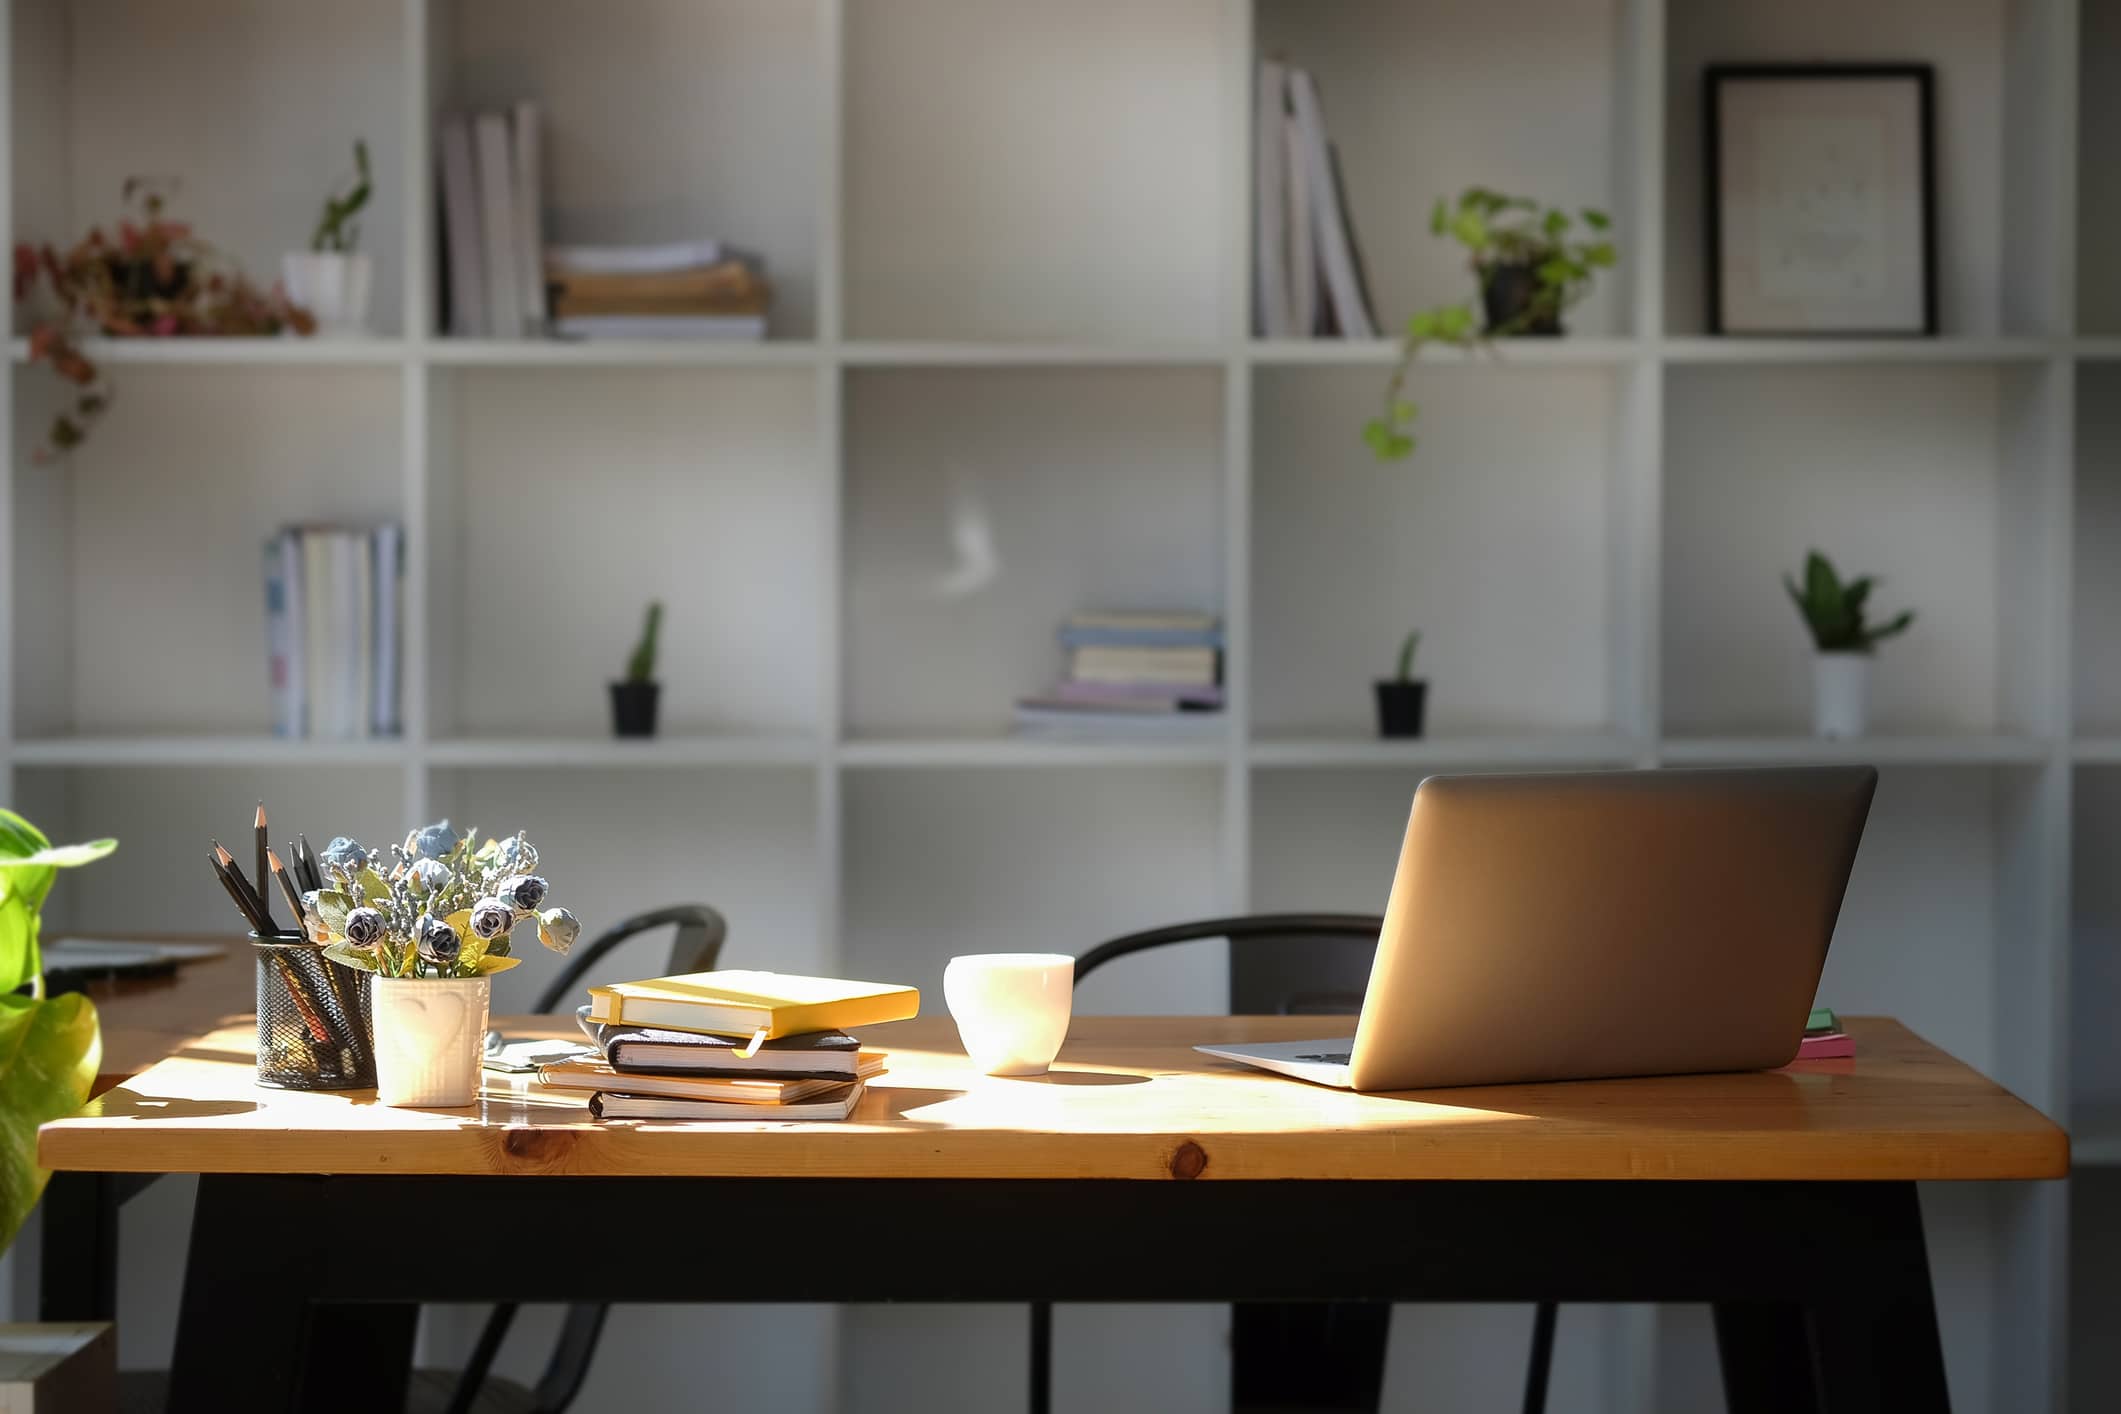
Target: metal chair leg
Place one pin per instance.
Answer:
(1542, 1361)
(1041, 1401)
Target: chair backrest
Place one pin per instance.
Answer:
(694, 948)
(1281, 964)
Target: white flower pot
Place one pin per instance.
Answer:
(332, 287)
(430, 1039)
(1841, 694)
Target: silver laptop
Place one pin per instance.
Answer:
(1574, 927)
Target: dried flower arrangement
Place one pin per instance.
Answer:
(156, 280)
(447, 908)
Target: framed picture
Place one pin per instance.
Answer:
(1821, 199)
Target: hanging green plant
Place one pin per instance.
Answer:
(49, 1046)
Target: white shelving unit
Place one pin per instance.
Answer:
(1011, 240)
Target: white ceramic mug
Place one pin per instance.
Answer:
(1011, 1008)
(430, 1039)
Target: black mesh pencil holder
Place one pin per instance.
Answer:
(314, 1030)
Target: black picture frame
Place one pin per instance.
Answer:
(1714, 79)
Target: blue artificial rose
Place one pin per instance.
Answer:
(344, 853)
(427, 875)
(434, 841)
(364, 926)
(557, 929)
(438, 942)
(522, 891)
(516, 855)
(491, 917)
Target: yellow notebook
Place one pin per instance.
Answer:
(761, 1005)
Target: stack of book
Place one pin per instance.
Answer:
(684, 290)
(729, 1045)
(1130, 672)
(492, 224)
(1308, 271)
(1824, 1039)
(333, 623)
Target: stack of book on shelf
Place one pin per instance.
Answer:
(730, 1045)
(333, 624)
(1307, 268)
(492, 226)
(684, 290)
(1824, 1039)
(1132, 673)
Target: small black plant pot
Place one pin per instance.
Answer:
(1399, 707)
(1506, 292)
(633, 708)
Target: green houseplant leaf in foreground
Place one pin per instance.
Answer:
(49, 1046)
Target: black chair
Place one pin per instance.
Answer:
(694, 948)
(1320, 1356)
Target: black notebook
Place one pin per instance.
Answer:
(650, 1050)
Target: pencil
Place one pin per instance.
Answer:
(254, 906)
(230, 881)
(312, 876)
(264, 895)
(288, 891)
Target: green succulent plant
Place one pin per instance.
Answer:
(1405, 670)
(49, 1046)
(1833, 609)
(640, 667)
(338, 233)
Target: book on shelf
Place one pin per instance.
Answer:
(703, 327)
(760, 1006)
(460, 230)
(1146, 621)
(692, 290)
(1270, 190)
(651, 1050)
(333, 630)
(493, 222)
(1153, 674)
(1175, 696)
(836, 1103)
(495, 154)
(1309, 277)
(639, 259)
(1144, 663)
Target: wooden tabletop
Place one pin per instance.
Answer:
(147, 1018)
(1129, 1098)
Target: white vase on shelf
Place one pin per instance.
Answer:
(430, 1039)
(332, 286)
(1841, 695)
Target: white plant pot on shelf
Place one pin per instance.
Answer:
(332, 287)
(430, 1039)
(1841, 695)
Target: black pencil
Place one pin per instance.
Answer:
(312, 876)
(264, 894)
(288, 890)
(256, 906)
(232, 882)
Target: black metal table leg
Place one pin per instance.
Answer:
(1323, 1356)
(256, 1330)
(1765, 1349)
(77, 1273)
(1875, 1345)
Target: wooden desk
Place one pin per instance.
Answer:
(1786, 1198)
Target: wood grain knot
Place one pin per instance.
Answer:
(541, 1146)
(1188, 1160)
